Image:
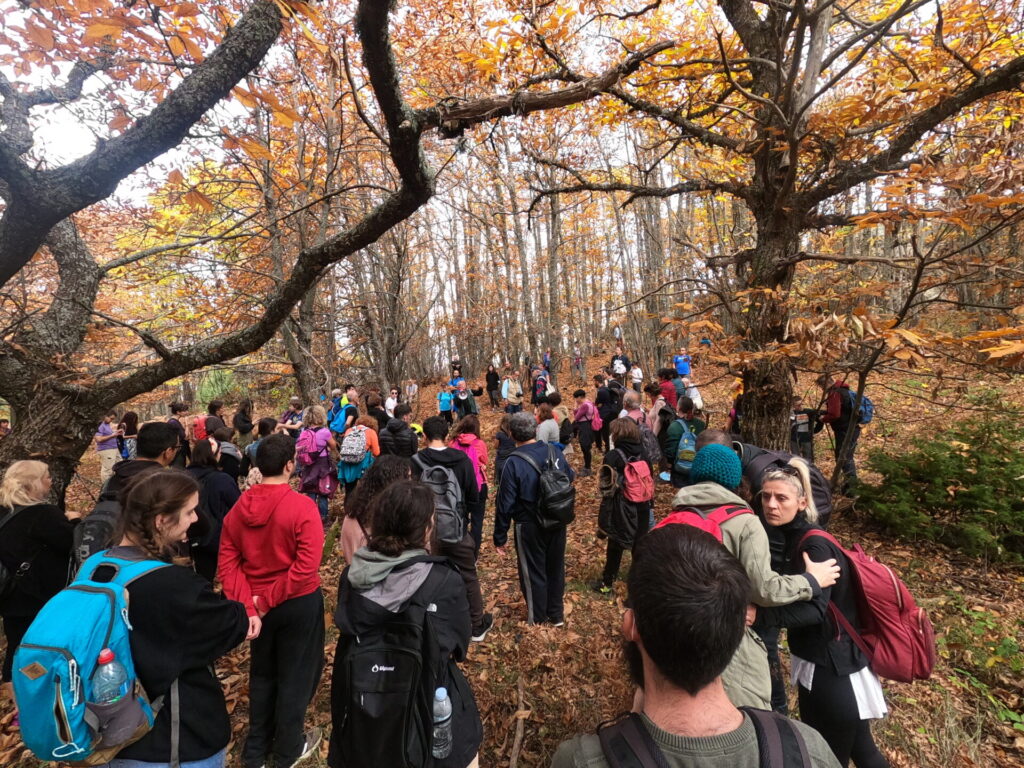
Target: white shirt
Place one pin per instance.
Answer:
(389, 406)
(636, 374)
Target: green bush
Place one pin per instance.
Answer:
(963, 487)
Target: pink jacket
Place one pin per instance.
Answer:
(476, 449)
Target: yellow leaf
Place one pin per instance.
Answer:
(176, 45)
(254, 148)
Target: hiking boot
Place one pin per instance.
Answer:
(601, 588)
(486, 624)
(313, 736)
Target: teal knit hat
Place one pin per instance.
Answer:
(718, 464)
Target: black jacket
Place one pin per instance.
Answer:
(505, 447)
(605, 405)
(518, 489)
(180, 627)
(381, 416)
(41, 535)
(399, 439)
(621, 519)
(124, 472)
(493, 380)
(242, 423)
(452, 630)
(213, 423)
(459, 463)
(217, 495)
(812, 632)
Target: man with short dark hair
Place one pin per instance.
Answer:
(290, 422)
(398, 438)
(179, 411)
(541, 551)
(157, 443)
(688, 602)
(270, 550)
(214, 416)
(463, 553)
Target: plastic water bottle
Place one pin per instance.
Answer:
(442, 724)
(110, 683)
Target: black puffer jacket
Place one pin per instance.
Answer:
(399, 438)
(42, 536)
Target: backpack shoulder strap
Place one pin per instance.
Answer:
(728, 512)
(626, 743)
(10, 515)
(528, 459)
(779, 743)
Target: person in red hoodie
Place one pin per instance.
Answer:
(270, 552)
(467, 439)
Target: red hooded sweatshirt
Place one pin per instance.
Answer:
(270, 547)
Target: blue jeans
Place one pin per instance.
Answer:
(213, 761)
(513, 408)
(321, 504)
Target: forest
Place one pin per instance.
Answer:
(267, 198)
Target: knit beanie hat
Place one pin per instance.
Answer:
(718, 464)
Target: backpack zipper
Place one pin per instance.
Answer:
(73, 679)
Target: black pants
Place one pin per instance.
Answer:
(447, 416)
(614, 552)
(603, 440)
(15, 628)
(803, 447)
(831, 709)
(476, 519)
(849, 465)
(770, 637)
(585, 432)
(495, 400)
(463, 555)
(541, 560)
(287, 659)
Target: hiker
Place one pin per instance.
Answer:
(715, 475)
(619, 365)
(317, 464)
(214, 418)
(247, 471)
(446, 405)
(230, 457)
(577, 362)
(631, 407)
(270, 554)
(681, 362)
(290, 422)
(218, 493)
(129, 428)
(606, 407)
(493, 382)
(547, 425)
(375, 408)
(839, 695)
(179, 411)
(359, 446)
(398, 438)
(348, 411)
(583, 423)
(35, 534)
(105, 441)
(336, 405)
(666, 387)
(156, 444)
(391, 403)
(504, 447)
(467, 439)
(540, 550)
(690, 390)
(563, 418)
(356, 525)
(179, 627)
(636, 377)
(512, 393)
(395, 576)
(412, 392)
(687, 609)
(243, 423)
(804, 424)
(687, 421)
(539, 391)
(624, 521)
(845, 420)
(465, 399)
(463, 552)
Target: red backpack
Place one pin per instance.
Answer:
(637, 481)
(897, 636)
(712, 523)
(199, 428)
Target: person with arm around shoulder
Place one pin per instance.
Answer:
(839, 695)
(688, 612)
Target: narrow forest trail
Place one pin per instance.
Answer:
(539, 685)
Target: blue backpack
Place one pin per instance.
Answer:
(686, 449)
(56, 661)
(866, 412)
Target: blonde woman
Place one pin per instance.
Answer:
(35, 548)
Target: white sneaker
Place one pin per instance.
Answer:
(313, 736)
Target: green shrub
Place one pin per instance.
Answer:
(963, 487)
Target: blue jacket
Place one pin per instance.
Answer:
(517, 488)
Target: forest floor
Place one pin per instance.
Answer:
(537, 686)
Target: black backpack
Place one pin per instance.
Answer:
(388, 676)
(556, 495)
(95, 532)
(627, 743)
(8, 577)
(449, 507)
(565, 431)
(617, 392)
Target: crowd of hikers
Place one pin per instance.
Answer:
(209, 532)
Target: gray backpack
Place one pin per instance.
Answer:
(449, 509)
